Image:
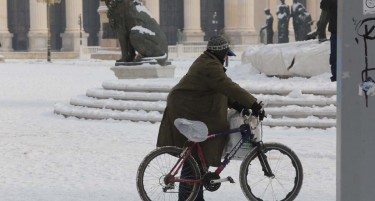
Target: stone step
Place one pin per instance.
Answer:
(291, 104)
(118, 104)
(309, 122)
(69, 110)
(270, 100)
(256, 87)
(294, 111)
(101, 93)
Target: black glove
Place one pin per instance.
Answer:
(240, 108)
(258, 111)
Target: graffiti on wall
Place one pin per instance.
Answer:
(365, 30)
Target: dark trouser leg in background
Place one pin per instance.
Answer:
(184, 188)
(333, 56)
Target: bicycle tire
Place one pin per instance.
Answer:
(153, 169)
(284, 164)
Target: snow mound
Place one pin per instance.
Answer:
(306, 58)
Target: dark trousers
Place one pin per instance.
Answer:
(333, 56)
(184, 188)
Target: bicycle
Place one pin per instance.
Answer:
(270, 171)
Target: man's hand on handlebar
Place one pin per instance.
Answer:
(258, 111)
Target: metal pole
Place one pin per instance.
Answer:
(80, 29)
(49, 32)
(355, 132)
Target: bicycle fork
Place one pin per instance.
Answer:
(264, 162)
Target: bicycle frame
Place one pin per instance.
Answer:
(246, 133)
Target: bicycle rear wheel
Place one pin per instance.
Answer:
(286, 167)
(152, 176)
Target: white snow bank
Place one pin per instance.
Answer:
(307, 58)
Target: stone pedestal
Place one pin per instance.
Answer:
(244, 38)
(193, 37)
(5, 35)
(71, 41)
(38, 33)
(73, 31)
(38, 41)
(1, 59)
(6, 42)
(144, 71)
(192, 21)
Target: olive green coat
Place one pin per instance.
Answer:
(202, 95)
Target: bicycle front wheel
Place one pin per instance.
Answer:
(286, 167)
(153, 179)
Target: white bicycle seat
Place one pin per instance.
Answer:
(195, 131)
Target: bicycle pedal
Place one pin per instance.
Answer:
(230, 179)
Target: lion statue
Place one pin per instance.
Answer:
(137, 31)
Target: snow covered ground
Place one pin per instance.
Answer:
(46, 157)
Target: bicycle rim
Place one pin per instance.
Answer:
(286, 167)
(153, 172)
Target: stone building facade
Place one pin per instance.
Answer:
(23, 23)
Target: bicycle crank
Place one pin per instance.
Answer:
(212, 181)
(208, 181)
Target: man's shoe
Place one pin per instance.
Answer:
(333, 79)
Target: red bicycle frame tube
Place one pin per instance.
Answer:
(188, 152)
(181, 161)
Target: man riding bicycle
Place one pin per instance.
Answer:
(204, 94)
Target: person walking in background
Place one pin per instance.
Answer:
(330, 6)
(320, 31)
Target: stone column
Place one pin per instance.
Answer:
(192, 20)
(246, 13)
(71, 37)
(102, 10)
(154, 7)
(105, 43)
(247, 22)
(230, 15)
(5, 36)
(230, 23)
(259, 15)
(240, 21)
(273, 4)
(313, 7)
(38, 34)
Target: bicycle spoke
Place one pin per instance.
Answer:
(264, 192)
